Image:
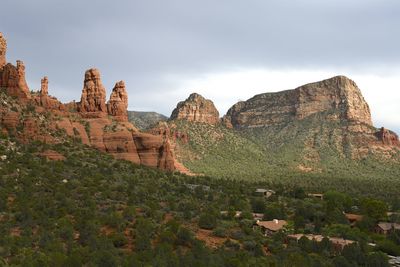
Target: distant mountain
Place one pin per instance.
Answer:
(317, 135)
(145, 120)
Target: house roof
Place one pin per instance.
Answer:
(386, 226)
(261, 190)
(274, 225)
(318, 238)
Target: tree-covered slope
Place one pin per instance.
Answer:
(308, 153)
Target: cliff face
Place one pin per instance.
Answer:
(339, 97)
(330, 115)
(196, 109)
(39, 116)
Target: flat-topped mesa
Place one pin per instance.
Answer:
(196, 109)
(339, 97)
(118, 104)
(3, 51)
(93, 99)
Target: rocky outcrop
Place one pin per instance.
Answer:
(45, 100)
(388, 137)
(13, 80)
(118, 104)
(49, 119)
(338, 97)
(3, 50)
(44, 86)
(196, 109)
(93, 99)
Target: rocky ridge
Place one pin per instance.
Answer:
(196, 109)
(105, 126)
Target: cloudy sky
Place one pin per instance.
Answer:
(226, 50)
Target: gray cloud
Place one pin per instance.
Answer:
(145, 42)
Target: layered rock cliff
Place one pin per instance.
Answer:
(196, 109)
(39, 116)
(338, 97)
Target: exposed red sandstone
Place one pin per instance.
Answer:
(118, 103)
(196, 109)
(93, 95)
(44, 86)
(13, 80)
(388, 137)
(116, 136)
(45, 100)
(3, 50)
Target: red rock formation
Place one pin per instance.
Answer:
(118, 103)
(45, 100)
(3, 50)
(166, 160)
(93, 97)
(91, 124)
(388, 137)
(10, 120)
(196, 109)
(44, 86)
(13, 80)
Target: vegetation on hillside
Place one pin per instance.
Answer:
(145, 120)
(96, 211)
(289, 154)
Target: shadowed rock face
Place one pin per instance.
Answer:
(196, 109)
(118, 103)
(338, 96)
(93, 99)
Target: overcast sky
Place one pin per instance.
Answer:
(227, 50)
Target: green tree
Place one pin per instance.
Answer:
(207, 221)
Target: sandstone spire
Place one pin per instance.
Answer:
(93, 99)
(118, 103)
(3, 50)
(196, 109)
(44, 86)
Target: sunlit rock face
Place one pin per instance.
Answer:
(337, 96)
